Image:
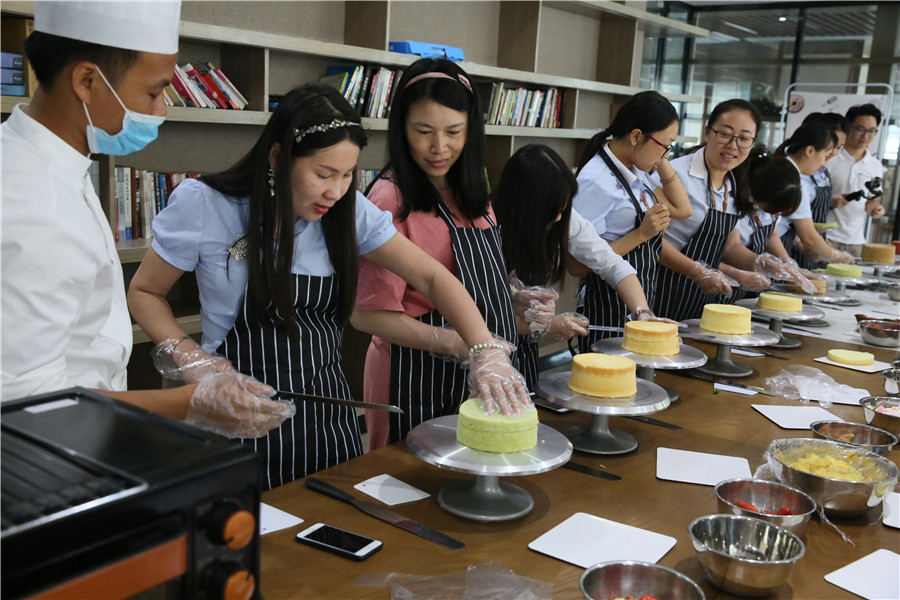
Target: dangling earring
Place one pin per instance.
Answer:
(272, 182)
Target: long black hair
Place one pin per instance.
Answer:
(771, 182)
(535, 187)
(466, 177)
(648, 111)
(816, 134)
(270, 229)
(836, 121)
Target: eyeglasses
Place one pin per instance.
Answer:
(725, 138)
(661, 145)
(860, 130)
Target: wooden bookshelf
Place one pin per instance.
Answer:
(653, 25)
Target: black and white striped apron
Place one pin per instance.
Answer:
(820, 205)
(678, 297)
(602, 305)
(759, 239)
(320, 435)
(527, 352)
(426, 387)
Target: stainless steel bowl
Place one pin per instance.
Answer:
(880, 333)
(893, 291)
(839, 497)
(891, 380)
(770, 496)
(878, 419)
(866, 437)
(632, 578)
(744, 556)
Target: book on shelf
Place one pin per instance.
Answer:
(227, 85)
(364, 178)
(13, 32)
(11, 60)
(139, 196)
(202, 85)
(12, 89)
(521, 107)
(12, 76)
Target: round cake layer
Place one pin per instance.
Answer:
(726, 318)
(651, 337)
(819, 283)
(779, 302)
(842, 270)
(851, 357)
(603, 376)
(496, 432)
(879, 253)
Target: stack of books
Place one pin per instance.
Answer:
(12, 77)
(367, 89)
(520, 107)
(203, 85)
(140, 195)
(364, 177)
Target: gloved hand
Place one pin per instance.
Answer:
(236, 405)
(568, 324)
(655, 220)
(493, 379)
(709, 280)
(797, 276)
(643, 313)
(179, 359)
(770, 266)
(751, 280)
(839, 256)
(811, 275)
(446, 344)
(535, 304)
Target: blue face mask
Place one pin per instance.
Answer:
(138, 130)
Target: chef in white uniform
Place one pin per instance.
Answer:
(101, 67)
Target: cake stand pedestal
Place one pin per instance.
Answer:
(829, 297)
(841, 283)
(688, 357)
(777, 317)
(722, 365)
(597, 437)
(485, 498)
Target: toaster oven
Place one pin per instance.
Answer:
(101, 499)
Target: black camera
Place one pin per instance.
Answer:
(874, 188)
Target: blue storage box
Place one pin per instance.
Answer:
(426, 50)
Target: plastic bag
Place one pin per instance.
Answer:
(808, 383)
(492, 580)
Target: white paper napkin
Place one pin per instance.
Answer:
(390, 490)
(586, 540)
(873, 368)
(699, 467)
(272, 519)
(890, 515)
(874, 577)
(795, 417)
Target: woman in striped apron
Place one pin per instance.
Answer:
(809, 148)
(776, 183)
(434, 185)
(274, 243)
(821, 201)
(543, 237)
(615, 196)
(692, 248)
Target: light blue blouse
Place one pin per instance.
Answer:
(747, 225)
(804, 211)
(199, 225)
(603, 201)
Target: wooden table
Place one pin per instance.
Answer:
(722, 423)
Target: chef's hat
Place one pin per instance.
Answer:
(131, 25)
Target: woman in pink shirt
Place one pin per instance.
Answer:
(434, 185)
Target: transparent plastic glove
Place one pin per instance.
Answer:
(797, 276)
(493, 379)
(567, 325)
(236, 405)
(643, 313)
(183, 359)
(535, 304)
(770, 266)
(751, 280)
(839, 256)
(710, 280)
(446, 344)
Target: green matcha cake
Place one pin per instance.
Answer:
(841, 270)
(496, 432)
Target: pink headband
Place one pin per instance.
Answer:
(437, 74)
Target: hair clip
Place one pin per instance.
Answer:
(336, 124)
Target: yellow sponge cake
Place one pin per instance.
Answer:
(603, 376)
(851, 357)
(726, 318)
(651, 337)
(779, 302)
(878, 253)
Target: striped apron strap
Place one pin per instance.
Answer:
(759, 239)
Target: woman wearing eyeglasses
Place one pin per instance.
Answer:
(615, 195)
(692, 248)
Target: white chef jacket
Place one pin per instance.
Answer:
(849, 175)
(64, 317)
(594, 252)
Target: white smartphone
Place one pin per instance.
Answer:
(342, 542)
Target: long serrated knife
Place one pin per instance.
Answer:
(354, 403)
(385, 514)
(591, 471)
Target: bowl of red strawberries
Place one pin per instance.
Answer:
(767, 500)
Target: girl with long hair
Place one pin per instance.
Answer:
(435, 187)
(274, 243)
(616, 196)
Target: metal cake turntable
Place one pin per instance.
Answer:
(722, 365)
(777, 317)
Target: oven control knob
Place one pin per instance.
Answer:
(228, 581)
(230, 525)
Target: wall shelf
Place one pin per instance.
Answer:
(653, 24)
